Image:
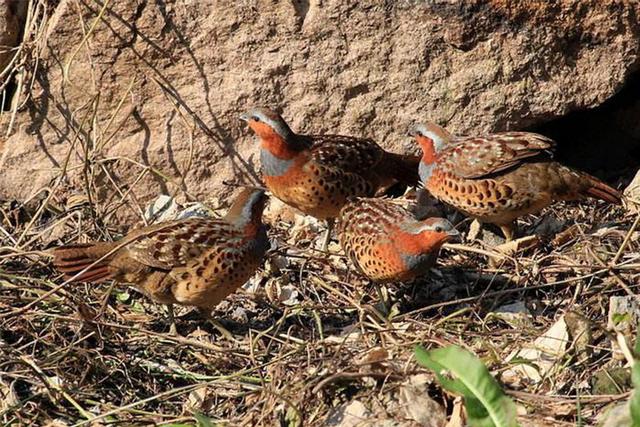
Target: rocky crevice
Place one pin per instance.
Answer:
(604, 140)
(12, 18)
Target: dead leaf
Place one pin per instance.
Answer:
(457, 418)
(197, 400)
(623, 316)
(632, 194)
(566, 235)
(8, 396)
(350, 414)
(515, 314)
(616, 415)
(474, 230)
(373, 355)
(518, 245)
(350, 333)
(417, 405)
(542, 356)
(580, 331)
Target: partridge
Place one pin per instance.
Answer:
(499, 177)
(387, 243)
(317, 174)
(194, 261)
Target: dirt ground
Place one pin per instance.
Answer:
(310, 342)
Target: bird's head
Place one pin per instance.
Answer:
(247, 208)
(428, 235)
(267, 124)
(431, 138)
(439, 229)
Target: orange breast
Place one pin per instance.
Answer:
(497, 200)
(297, 188)
(381, 262)
(317, 190)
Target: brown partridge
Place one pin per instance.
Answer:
(317, 174)
(499, 177)
(194, 261)
(387, 243)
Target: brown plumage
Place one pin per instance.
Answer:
(387, 243)
(500, 177)
(195, 261)
(317, 174)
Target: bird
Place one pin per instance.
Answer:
(385, 241)
(197, 261)
(497, 178)
(317, 174)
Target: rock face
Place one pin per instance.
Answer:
(9, 33)
(147, 100)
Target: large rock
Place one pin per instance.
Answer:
(9, 33)
(158, 86)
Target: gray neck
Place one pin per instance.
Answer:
(425, 171)
(246, 215)
(420, 264)
(438, 141)
(272, 165)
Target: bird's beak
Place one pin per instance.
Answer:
(454, 235)
(244, 117)
(412, 131)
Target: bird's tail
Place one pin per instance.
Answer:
(403, 168)
(71, 260)
(577, 185)
(599, 190)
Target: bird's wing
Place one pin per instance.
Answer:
(478, 157)
(176, 243)
(350, 154)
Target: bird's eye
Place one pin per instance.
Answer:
(439, 228)
(256, 118)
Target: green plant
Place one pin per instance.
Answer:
(634, 403)
(460, 372)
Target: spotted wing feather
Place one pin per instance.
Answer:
(176, 243)
(480, 157)
(346, 153)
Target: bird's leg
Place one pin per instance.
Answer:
(383, 298)
(173, 329)
(327, 236)
(206, 313)
(508, 230)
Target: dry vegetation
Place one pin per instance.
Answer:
(309, 335)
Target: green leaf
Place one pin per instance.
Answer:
(636, 348)
(203, 420)
(292, 417)
(634, 403)
(460, 372)
(123, 296)
(618, 318)
(137, 307)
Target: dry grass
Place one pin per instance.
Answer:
(84, 353)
